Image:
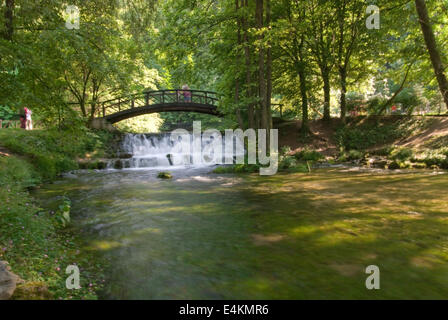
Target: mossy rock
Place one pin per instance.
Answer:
(118, 164)
(98, 164)
(164, 175)
(394, 165)
(125, 156)
(33, 290)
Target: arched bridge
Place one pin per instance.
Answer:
(147, 102)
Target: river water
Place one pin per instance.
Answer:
(206, 236)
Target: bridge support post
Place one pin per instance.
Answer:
(101, 124)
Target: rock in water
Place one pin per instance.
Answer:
(164, 175)
(8, 281)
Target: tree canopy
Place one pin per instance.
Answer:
(319, 59)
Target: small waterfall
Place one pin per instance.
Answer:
(163, 150)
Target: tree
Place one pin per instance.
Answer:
(431, 45)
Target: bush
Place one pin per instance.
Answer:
(384, 152)
(309, 155)
(287, 162)
(351, 155)
(401, 154)
(367, 135)
(6, 113)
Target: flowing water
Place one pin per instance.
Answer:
(174, 151)
(207, 236)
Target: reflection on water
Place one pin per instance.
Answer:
(206, 236)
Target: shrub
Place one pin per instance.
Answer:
(285, 150)
(401, 154)
(309, 155)
(287, 162)
(367, 135)
(384, 152)
(351, 155)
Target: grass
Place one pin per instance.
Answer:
(33, 240)
(51, 151)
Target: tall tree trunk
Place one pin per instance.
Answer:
(326, 79)
(249, 89)
(237, 80)
(341, 61)
(261, 66)
(269, 68)
(303, 93)
(303, 86)
(9, 18)
(343, 103)
(431, 45)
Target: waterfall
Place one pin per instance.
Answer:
(164, 150)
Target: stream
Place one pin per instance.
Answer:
(290, 236)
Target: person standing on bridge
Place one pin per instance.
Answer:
(186, 93)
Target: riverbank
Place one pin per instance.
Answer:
(36, 242)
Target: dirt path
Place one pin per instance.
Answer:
(321, 139)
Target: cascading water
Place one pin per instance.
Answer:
(164, 150)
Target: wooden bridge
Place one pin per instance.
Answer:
(147, 102)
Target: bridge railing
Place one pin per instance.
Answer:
(148, 98)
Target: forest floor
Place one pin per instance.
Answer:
(428, 133)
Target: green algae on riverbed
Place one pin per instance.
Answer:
(295, 236)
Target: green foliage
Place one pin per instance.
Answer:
(383, 151)
(361, 137)
(354, 100)
(30, 239)
(430, 158)
(52, 151)
(62, 215)
(238, 168)
(6, 113)
(184, 120)
(287, 162)
(401, 154)
(309, 155)
(351, 155)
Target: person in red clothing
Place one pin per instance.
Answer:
(394, 109)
